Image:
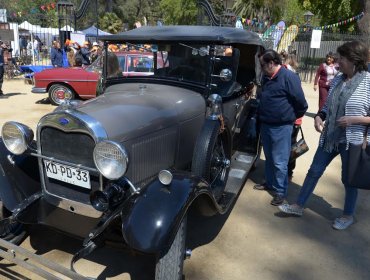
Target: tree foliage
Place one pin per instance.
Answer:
(179, 11)
(263, 9)
(333, 11)
(111, 23)
(185, 11)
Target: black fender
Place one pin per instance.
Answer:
(152, 221)
(19, 177)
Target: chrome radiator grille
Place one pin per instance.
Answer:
(71, 147)
(74, 148)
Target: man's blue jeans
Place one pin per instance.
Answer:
(321, 160)
(276, 142)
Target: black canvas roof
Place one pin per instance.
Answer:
(187, 33)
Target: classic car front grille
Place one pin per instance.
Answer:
(74, 148)
(71, 147)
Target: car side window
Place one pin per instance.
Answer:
(122, 62)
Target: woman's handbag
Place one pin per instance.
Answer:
(298, 148)
(359, 164)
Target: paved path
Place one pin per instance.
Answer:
(252, 242)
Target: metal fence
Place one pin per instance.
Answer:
(310, 58)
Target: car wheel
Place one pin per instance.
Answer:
(60, 93)
(12, 232)
(170, 265)
(211, 157)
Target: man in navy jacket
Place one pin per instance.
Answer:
(56, 55)
(282, 101)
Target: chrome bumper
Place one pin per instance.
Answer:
(38, 90)
(36, 263)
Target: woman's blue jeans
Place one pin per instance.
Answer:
(320, 161)
(276, 142)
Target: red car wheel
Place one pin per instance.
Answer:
(60, 93)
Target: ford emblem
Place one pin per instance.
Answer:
(63, 121)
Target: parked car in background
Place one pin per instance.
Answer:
(63, 84)
(133, 161)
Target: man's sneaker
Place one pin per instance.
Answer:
(292, 209)
(277, 200)
(342, 223)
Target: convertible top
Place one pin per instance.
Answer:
(186, 33)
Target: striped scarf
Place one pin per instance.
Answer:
(336, 109)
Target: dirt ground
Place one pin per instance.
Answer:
(253, 241)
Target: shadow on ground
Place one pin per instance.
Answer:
(45, 100)
(7, 95)
(116, 259)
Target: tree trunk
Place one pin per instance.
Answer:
(109, 6)
(364, 22)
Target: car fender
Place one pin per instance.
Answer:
(19, 177)
(152, 221)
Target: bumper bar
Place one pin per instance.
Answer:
(38, 90)
(19, 255)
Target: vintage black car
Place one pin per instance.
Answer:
(138, 157)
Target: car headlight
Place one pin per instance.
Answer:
(16, 137)
(111, 159)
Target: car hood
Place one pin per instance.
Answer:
(60, 71)
(127, 111)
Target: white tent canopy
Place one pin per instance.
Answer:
(67, 28)
(30, 27)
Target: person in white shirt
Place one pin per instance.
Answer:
(36, 49)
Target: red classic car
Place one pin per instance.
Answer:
(77, 82)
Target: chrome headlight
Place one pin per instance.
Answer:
(111, 159)
(16, 137)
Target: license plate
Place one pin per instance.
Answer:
(67, 174)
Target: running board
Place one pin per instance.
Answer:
(36, 263)
(240, 165)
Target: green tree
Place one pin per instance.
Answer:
(272, 9)
(110, 23)
(179, 11)
(364, 23)
(38, 12)
(332, 11)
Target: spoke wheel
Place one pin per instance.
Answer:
(211, 157)
(60, 93)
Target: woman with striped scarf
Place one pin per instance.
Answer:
(346, 115)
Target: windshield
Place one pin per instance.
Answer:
(176, 61)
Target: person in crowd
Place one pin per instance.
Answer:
(85, 53)
(282, 101)
(3, 48)
(77, 56)
(290, 62)
(29, 48)
(113, 70)
(324, 76)
(36, 49)
(95, 51)
(56, 55)
(346, 114)
(23, 46)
